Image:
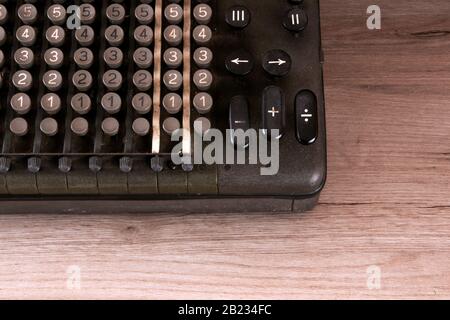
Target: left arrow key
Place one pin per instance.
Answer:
(240, 62)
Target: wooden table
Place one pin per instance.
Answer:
(386, 207)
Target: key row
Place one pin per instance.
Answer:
(239, 17)
(110, 126)
(113, 56)
(115, 13)
(28, 14)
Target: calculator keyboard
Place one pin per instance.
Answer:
(117, 84)
(91, 92)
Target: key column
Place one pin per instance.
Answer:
(202, 76)
(24, 78)
(113, 80)
(141, 71)
(50, 116)
(7, 43)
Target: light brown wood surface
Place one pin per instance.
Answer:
(386, 203)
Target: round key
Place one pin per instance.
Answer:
(49, 127)
(81, 103)
(202, 34)
(277, 63)
(296, 20)
(173, 13)
(114, 35)
(2, 36)
(19, 127)
(22, 80)
(203, 102)
(141, 127)
(26, 35)
(203, 79)
(24, 57)
(86, 13)
(27, 13)
(142, 79)
(142, 103)
(57, 14)
(112, 79)
(115, 13)
(202, 125)
(110, 126)
(2, 58)
(144, 14)
(203, 57)
(240, 62)
(84, 58)
(80, 126)
(170, 125)
(143, 35)
(238, 17)
(54, 57)
(111, 103)
(173, 80)
(52, 80)
(143, 58)
(202, 13)
(51, 103)
(21, 103)
(55, 35)
(173, 35)
(113, 57)
(82, 80)
(173, 103)
(85, 35)
(3, 14)
(173, 57)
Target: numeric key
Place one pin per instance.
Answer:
(26, 35)
(202, 13)
(55, 35)
(144, 13)
(27, 13)
(57, 14)
(24, 57)
(143, 35)
(173, 13)
(22, 80)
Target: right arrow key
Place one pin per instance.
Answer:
(277, 63)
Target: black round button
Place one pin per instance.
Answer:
(238, 17)
(277, 63)
(240, 62)
(296, 20)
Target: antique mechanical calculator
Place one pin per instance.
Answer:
(161, 105)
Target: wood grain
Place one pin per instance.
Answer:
(386, 204)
